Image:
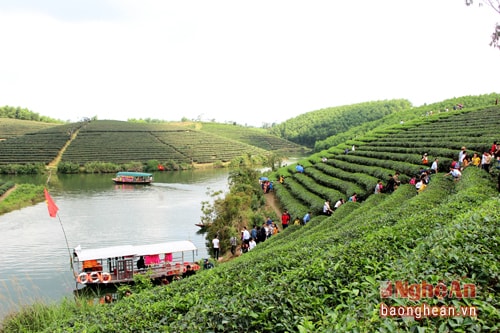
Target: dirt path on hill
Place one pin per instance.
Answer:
(53, 164)
(272, 203)
(6, 194)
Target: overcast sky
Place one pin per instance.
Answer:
(252, 62)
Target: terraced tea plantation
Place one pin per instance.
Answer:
(10, 128)
(121, 142)
(385, 152)
(252, 136)
(36, 147)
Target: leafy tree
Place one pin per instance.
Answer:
(227, 215)
(495, 4)
(24, 114)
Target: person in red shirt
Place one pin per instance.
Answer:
(494, 148)
(285, 219)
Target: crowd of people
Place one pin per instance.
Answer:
(458, 164)
(249, 239)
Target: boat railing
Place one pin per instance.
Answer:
(126, 272)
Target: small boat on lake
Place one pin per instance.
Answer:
(128, 177)
(119, 264)
(203, 225)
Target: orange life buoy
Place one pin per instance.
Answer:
(105, 277)
(83, 278)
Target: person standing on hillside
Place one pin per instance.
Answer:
(494, 148)
(476, 160)
(486, 161)
(262, 236)
(327, 210)
(434, 166)
(339, 203)
(425, 159)
(379, 187)
(389, 188)
(306, 218)
(216, 243)
(285, 219)
(461, 156)
(245, 235)
(254, 232)
(234, 243)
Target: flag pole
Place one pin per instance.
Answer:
(53, 212)
(62, 227)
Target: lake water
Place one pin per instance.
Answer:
(94, 212)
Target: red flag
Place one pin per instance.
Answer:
(50, 204)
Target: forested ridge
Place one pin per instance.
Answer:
(310, 127)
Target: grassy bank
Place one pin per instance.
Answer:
(23, 195)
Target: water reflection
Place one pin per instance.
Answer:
(34, 259)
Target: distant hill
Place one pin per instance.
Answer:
(313, 126)
(125, 141)
(119, 142)
(253, 136)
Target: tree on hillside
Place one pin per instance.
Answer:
(24, 114)
(495, 4)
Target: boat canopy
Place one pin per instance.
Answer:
(131, 250)
(170, 247)
(105, 252)
(134, 174)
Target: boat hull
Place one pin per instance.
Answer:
(118, 181)
(98, 278)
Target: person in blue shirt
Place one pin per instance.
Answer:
(306, 218)
(253, 233)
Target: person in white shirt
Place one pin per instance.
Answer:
(252, 244)
(339, 203)
(326, 208)
(215, 243)
(434, 166)
(245, 234)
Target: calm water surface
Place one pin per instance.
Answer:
(34, 259)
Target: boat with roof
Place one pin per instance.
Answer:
(129, 177)
(119, 264)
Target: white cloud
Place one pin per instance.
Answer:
(251, 62)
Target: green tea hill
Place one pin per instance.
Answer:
(10, 128)
(119, 142)
(385, 151)
(327, 276)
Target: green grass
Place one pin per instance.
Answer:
(24, 195)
